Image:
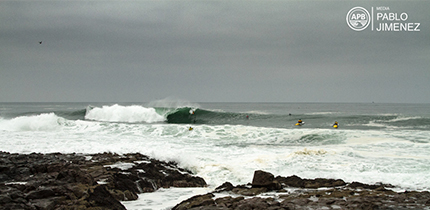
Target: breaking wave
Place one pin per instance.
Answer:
(41, 122)
(118, 113)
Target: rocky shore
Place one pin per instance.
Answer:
(75, 181)
(276, 193)
(101, 181)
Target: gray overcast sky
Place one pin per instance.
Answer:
(209, 51)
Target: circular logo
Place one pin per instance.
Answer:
(358, 18)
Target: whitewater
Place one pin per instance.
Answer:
(386, 143)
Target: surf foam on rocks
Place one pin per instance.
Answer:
(76, 181)
(269, 192)
(101, 181)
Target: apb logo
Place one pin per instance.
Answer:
(358, 18)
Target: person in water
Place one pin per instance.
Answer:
(193, 116)
(336, 124)
(300, 121)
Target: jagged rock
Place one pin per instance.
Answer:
(41, 193)
(227, 186)
(126, 182)
(228, 201)
(147, 185)
(70, 181)
(5, 199)
(317, 183)
(196, 201)
(262, 179)
(295, 181)
(309, 194)
(252, 203)
(102, 198)
(249, 191)
(368, 186)
(291, 181)
(123, 195)
(47, 203)
(266, 180)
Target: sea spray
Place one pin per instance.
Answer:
(118, 113)
(374, 143)
(41, 122)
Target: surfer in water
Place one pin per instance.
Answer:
(335, 125)
(194, 116)
(300, 122)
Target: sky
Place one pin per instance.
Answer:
(211, 51)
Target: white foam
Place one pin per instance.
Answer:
(41, 122)
(121, 165)
(322, 113)
(404, 119)
(163, 199)
(118, 113)
(232, 153)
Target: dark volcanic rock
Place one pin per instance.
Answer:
(291, 181)
(41, 193)
(295, 181)
(266, 180)
(196, 201)
(227, 186)
(102, 198)
(71, 181)
(262, 178)
(333, 194)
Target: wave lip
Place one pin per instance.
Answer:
(129, 114)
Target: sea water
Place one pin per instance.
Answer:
(388, 143)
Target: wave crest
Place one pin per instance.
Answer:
(118, 113)
(41, 122)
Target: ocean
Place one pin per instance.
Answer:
(375, 143)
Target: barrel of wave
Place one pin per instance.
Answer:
(183, 115)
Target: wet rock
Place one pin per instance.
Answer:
(253, 203)
(102, 198)
(266, 180)
(228, 202)
(41, 193)
(295, 181)
(262, 178)
(76, 181)
(147, 185)
(291, 181)
(318, 183)
(369, 186)
(307, 194)
(249, 191)
(196, 201)
(227, 186)
(47, 203)
(126, 182)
